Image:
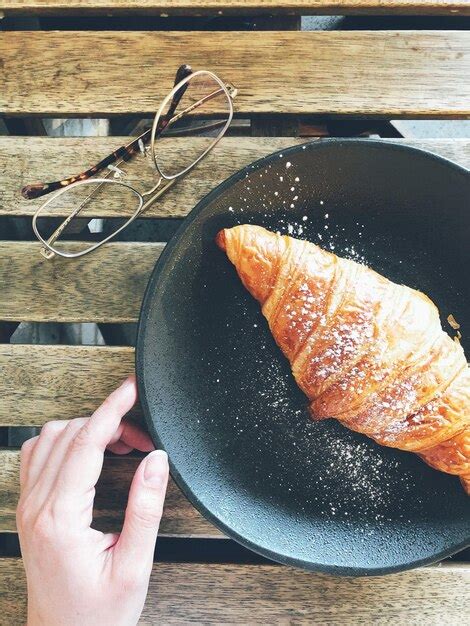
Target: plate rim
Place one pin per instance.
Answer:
(345, 571)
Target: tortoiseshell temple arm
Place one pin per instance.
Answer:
(124, 153)
(36, 190)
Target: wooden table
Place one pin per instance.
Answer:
(287, 80)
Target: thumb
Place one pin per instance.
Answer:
(136, 544)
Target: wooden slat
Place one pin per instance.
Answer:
(230, 7)
(180, 517)
(183, 593)
(28, 159)
(421, 73)
(106, 286)
(40, 383)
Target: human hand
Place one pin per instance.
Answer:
(77, 575)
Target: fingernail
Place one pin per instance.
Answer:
(130, 380)
(156, 467)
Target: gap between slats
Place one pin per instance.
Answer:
(235, 7)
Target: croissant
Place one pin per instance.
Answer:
(364, 350)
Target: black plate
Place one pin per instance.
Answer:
(219, 397)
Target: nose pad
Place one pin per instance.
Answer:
(232, 90)
(118, 173)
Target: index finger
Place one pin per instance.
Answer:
(83, 462)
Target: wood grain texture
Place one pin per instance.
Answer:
(231, 7)
(180, 518)
(28, 159)
(421, 73)
(106, 286)
(40, 383)
(184, 593)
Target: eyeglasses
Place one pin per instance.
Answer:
(200, 106)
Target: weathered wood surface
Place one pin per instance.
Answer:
(25, 160)
(183, 593)
(40, 383)
(106, 286)
(231, 7)
(420, 73)
(180, 518)
(28, 159)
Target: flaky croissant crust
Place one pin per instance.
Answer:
(364, 350)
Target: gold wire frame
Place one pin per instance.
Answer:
(164, 182)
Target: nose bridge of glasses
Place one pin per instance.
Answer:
(46, 253)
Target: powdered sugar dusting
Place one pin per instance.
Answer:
(286, 211)
(323, 466)
(343, 474)
(340, 343)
